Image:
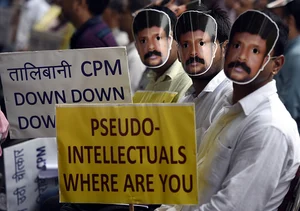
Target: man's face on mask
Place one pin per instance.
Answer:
(245, 57)
(196, 51)
(153, 46)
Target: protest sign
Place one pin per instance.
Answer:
(22, 165)
(130, 153)
(33, 82)
(153, 97)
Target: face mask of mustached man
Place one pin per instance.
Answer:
(152, 34)
(252, 38)
(196, 34)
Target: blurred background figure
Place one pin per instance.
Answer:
(31, 11)
(287, 80)
(91, 30)
(136, 67)
(112, 16)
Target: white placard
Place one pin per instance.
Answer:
(22, 164)
(33, 82)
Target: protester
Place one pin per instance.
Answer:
(249, 155)
(165, 71)
(112, 16)
(202, 37)
(91, 31)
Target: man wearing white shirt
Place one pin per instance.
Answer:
(210, 83)
(135, 65)
(32, 11)
(251, 152)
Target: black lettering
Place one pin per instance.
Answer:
(182, 154)
(70, 182)
(117, 93)
(112, 126)
(150, 132)
(104, 156)
(83, 70)
(173, 161)
(86, 182)
(177, 181)
(154, 160)
(77, 154)
(120, 127)
(163, 155)
(97, 154)
(163, 181)
(139, 179)
(97, 65)
(187, 190)
(88, 149)
(121, 154)
(112, 155)
(23, 122)
(135, 130)
(88, 95)
(116, 67)
(79, 98)
(128, 183)
(95, 125)
(104, 182)
(149, 182)
(21, 98)
(128, 155)
(141, 148)
(69, 155)
(95, 181)
(104, 127)
(114, 182)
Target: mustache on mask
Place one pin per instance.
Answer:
(151, 53)
(243, 65)
(194, 59)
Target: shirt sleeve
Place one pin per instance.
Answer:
(255, 169)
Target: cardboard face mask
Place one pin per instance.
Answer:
(252, 38)
(196, 34)
(152, 34)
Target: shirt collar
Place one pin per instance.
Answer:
(211, 86)
(170, 73)
(253, 100)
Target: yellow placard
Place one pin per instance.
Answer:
(154, 97)
(127, 153)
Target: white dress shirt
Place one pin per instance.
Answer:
(217, 88)
(248, 156)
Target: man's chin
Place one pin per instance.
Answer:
(153, 63)
(195, 71)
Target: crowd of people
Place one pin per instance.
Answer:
(236, 60)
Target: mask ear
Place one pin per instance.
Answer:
(170, 40)
(277, 65)
(179, 59)
(224, 47)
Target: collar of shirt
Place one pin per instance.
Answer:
(253, 100)
(169, 74)
(79, 32)
(210, 87)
